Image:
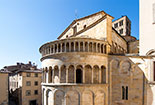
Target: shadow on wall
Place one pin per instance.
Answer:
(128, 83)
(14, 96)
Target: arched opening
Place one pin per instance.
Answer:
(56, 74)
(88, 74)
(86, 47)
(45, 75)
(78, 76)
(81, 46)
(102, 48)
(52, 49)
(94, 47)
(96, 74)
(63, 47)
(59, 47)
(63, 74)
(76, 46)
(67, 47)
(55, 48)
(72, 47)
(98, 48)
(71, 74)
(103, 74)
(90, 47)
(50, 73)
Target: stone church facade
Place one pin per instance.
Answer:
(91, 63)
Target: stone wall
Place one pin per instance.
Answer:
(126, 74)
(4, 89)
(76, 95)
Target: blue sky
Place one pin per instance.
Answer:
(27, 24)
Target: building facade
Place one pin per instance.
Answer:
(4, 94)
(92, 63)
(24, 84)
(147, 25)
(147, 44)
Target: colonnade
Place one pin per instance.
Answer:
(75, 74)
(74, 46)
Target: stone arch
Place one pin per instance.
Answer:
(71, 74)
(81, 46)
(125, 66)
(96, 74)
(49, 96)
(59, 97)
(103, 74)
(72, 46)
(63, 74)
(56, 74)
(87, 97)
(114, 66)
(67, 47)
(151, 52)
(88, 72)
(72, 97)
(79, 74)
(90, 47)
(50, 74)
(100, 98)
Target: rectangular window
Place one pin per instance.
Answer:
(36, 92)
(36, 74)
(121, 31)
(28, 83)
(121, 23)
(36, 83)
(74, 30)
(116, 25)
(28, 92)
(28, 74)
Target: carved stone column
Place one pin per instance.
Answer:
(100, 75)
(67, 75)
(84, 75)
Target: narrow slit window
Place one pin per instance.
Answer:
(153, 13)
(123, 93)
(126, 92)
(154, 71)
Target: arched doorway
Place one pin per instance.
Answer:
(78, 76)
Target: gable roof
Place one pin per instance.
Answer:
(100, 12)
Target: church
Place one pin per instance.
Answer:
(95, 61)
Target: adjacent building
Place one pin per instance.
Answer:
(147, 45)
(4, 94)
(24, 84)
(147, 26)
(94, 63)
